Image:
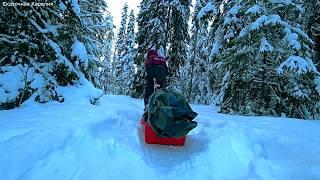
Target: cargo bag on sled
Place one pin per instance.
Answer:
(169, 118)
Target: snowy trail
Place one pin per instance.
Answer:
(81, 141)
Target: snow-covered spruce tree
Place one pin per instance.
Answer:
(97, 20)
(93, 35)
(196, 76)
(43, 48)
(215, 38)
(28, 57)
(312, 25)
(267, 62)
(125, 64)
(105, 73)
(142, 19)
(120, 51)
(86, 37)
(158, 25)
(152, 33)
(179, 15)
(106, 80)
(131, 51)
(121, 37)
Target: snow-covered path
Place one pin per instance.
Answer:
(77, 140)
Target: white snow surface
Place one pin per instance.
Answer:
(77, 140)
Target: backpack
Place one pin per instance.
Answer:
(157, 68)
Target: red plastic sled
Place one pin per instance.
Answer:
(151, 138)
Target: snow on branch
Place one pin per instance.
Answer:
(12, 39)
(284, 2)
(62, 6)
(79, 50)
(298, 65)
(234, 10)
(265, 46)
(217, 43)
(49, 28)
(292, 38)
(176, 4)
(38, 27)
(231, 16)
(60, 58)
(259, 22)
(256, 9)
(63, 59)
(207, 10)
(317, 82)
(316, 30)
(75, 7)
(9, 91)
(274, 19)
(45, 74)
(215, 48)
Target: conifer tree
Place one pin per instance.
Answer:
(152, 33)
(139, 76)
(179, 36)
(162, 24)
(311, 24)
(121, 37)
(266, 60)
(199, 84)
(51, 46)
(120, 52)
(98, 25)
(125, 79)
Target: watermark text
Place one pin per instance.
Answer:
(34, 4)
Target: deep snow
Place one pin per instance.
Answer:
(77, 140)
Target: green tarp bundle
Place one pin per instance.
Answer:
(169, 114)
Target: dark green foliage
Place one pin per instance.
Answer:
(179, 38)
(311, 24)
(63, 76)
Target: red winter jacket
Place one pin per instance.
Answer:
(155, 58)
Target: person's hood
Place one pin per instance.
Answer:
(152, 52)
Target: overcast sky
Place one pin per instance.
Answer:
(115, 7)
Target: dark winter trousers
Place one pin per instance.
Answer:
(149, 90)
